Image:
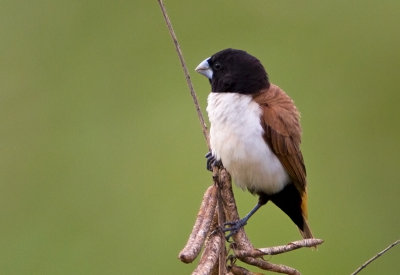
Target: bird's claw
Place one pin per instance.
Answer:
(212, 161)
(233, 227)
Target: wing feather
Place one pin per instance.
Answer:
(281, 122)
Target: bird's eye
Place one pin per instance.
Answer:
(217, 66)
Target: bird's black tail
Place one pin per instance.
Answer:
(295, 206)
(306, 232)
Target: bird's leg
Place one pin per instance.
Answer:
(233, 227)
(211, 161)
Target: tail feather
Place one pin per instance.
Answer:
(294, 204)
(306, 232)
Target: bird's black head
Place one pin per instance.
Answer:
(234, 71)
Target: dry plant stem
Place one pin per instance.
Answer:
(269, 266)
(186, 72)
(238, 270)
(214, 230)
(375, 257)
(210, 255)
(278, 249)
(221, 222)
(215, 270)
(208, 264)
(201, 226)
(224, 183)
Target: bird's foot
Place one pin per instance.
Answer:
(233, 227)
(212, 161)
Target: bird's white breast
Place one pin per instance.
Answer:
(236, 137)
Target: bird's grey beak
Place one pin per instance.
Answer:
(205, 69)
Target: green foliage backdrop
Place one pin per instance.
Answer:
(101, 155)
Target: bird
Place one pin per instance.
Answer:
(255, 133)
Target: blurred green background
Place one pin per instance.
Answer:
(102, 163)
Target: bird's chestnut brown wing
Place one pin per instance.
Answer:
(280, 120)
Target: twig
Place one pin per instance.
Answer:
(223, 179)
(201, 226)
(270, 266)
(221, 222)
(278, 249)
(238, 270)
(186, 72)
(210, 255)
(375, 257)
